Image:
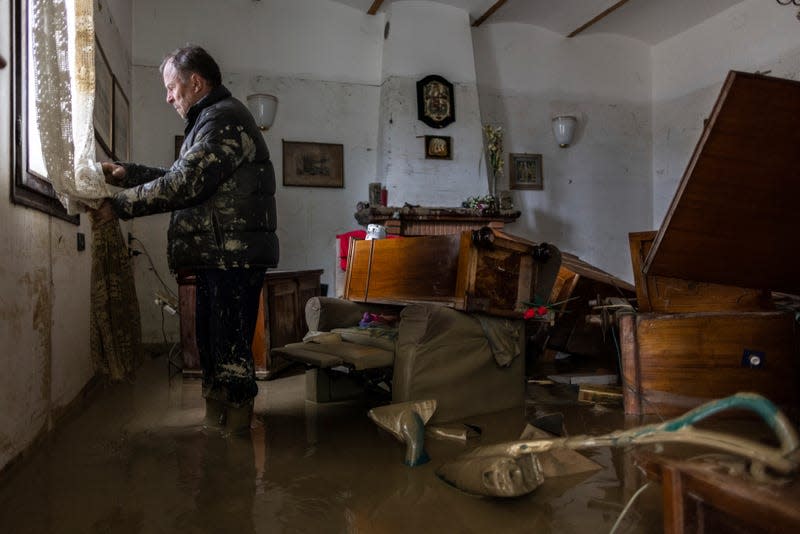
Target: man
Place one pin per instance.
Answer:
(221, 192)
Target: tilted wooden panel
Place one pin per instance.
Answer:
(735, 216)
(674, 295)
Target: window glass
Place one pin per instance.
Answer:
(35, 158)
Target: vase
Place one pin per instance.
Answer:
(493, 185)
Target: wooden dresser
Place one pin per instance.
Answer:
(281, 318)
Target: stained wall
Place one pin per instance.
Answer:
(44, 279)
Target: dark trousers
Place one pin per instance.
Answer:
(225, 315)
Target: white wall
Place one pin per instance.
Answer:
(598, 189)
(44, 287)
(323, 62)
(304, 38)
(688, 71)
(428, 38)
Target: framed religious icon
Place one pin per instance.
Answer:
(313, 164)
(525, 171)
(103, 99)
(435, 101)
(438, 147)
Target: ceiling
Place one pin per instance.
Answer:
(650, 21)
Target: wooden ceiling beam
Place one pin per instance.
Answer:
(599, 17)
(376, 5)
(489, 12)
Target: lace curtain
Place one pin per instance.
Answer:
(63, 62)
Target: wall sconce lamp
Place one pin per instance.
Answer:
(564, 129)
(263, 108)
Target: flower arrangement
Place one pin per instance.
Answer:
(494, 154)
(485, 204)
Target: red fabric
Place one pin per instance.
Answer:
(344, 244)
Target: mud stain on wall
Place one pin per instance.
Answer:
(37, 284)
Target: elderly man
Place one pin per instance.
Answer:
(221, 192)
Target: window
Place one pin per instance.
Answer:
(30, 186)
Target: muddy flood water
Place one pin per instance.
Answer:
(138, 460)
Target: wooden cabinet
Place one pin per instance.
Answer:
(281, 317)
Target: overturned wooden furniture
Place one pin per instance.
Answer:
(706, 325)
(579, 288)
(701, 499)
(422, 220)
(483, 270)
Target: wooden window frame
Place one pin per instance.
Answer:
(27, 188)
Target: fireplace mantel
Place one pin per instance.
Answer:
(418, 220)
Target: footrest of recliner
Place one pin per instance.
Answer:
(327, 355)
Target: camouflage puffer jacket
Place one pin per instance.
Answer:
(221, 191)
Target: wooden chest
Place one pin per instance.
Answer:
(707, 325)
(673, 362)
(483, 270)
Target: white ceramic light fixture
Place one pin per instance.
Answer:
(564, 129)
(263, 107)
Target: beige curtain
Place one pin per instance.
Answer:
(63, 62)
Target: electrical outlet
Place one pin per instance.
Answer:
(753, 358)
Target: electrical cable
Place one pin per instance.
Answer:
(170, 362)
(627, 507)
(153, 267)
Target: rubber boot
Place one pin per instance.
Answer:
(238, 418)
(216, 413)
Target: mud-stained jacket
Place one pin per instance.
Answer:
(221, 191)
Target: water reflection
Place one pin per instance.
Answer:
(138, 461)
(220, 475)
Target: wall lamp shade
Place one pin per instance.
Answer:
(564, 129)
(263, 107)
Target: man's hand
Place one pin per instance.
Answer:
(113, 173)
(103, 214)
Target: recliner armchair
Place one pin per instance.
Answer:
(470, 363)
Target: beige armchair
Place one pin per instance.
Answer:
(471, 364)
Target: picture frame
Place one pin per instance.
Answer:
(121, 124)
(525, 171)
(438, 147)
(435, 101)
(310, 164)
(103, 99)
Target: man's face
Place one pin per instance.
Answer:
(181, 94)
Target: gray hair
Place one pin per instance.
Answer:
(193, 59)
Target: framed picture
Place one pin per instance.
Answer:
(435, 101)
(103, 99)
(525, 171)
(122, 124)
(438, 147)
(313, 164)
